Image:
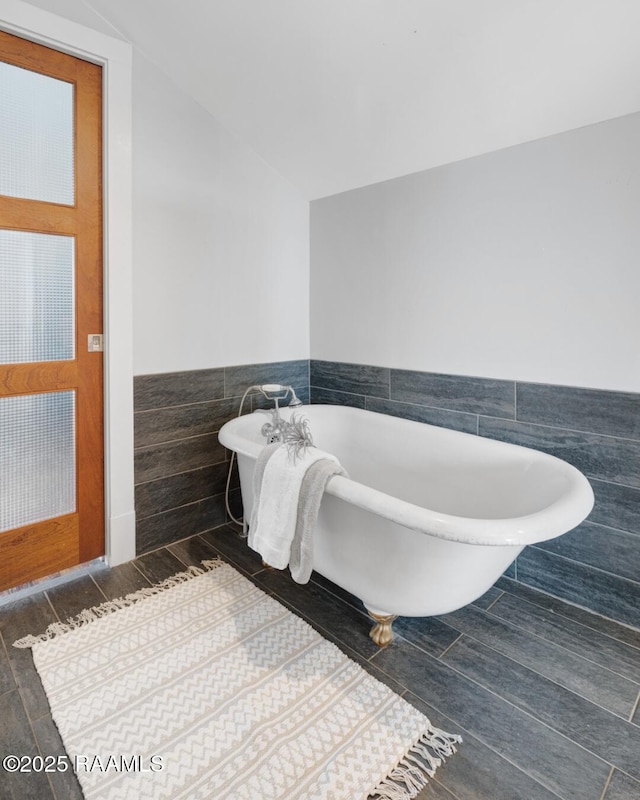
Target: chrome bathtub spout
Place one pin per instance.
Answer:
(274, 431)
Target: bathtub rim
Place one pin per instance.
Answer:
(557, 518)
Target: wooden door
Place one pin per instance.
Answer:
(51, 384)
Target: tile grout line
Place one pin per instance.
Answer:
(492, 603)
(138, 448)
(507, 702)
(613, 483)
(186, 472)
(53, 608)
(207, 401)
(517, 659)
(36, 740)
(564, 616)
(446, 649)
(615, 622)
(186, 505)
(222, 524)
(3, 646)
(135, 564)
(612, 528)
(606, 786)
(490, 611)
(464, 730)
(634, 709)
(99, 588)
(547, 641)
(177, 541)
(345, 601)
(565, 429)
(158, 478)
(589, 566)
(478, 736)
(147, 447)
(342, 391)
(168, 548)
(18, 689)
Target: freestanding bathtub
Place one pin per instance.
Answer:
(429, 518)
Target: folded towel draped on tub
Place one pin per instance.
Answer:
(286, 498)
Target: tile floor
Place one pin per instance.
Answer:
(544, 694)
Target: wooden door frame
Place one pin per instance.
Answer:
(115, 57)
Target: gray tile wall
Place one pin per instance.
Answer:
(180, 467)
(597, 565)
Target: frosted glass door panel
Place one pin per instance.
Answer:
(37, 458)
(37, 314)
(36, 136)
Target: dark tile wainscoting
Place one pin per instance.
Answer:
(180, 467)
(597, 565)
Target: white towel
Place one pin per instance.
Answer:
(276, 492)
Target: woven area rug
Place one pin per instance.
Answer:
(206, 687)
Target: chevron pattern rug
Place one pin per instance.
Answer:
(206, 687)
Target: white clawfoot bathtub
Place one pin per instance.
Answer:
(429, 518)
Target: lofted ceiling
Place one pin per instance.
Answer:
(337, 94)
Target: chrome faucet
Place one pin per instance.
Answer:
(274, 431)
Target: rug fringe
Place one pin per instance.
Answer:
(89, 615)
(412, 773)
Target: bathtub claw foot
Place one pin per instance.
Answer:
(382, 632)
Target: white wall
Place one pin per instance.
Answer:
(221, 241)
(521, 264)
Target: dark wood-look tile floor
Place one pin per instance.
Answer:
(544, 694)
